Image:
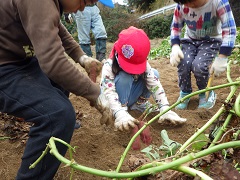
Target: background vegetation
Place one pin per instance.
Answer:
(123, 16)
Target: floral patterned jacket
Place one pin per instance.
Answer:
(109, 89)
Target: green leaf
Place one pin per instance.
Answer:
(151, 153)
(169, 146)
(200, 142)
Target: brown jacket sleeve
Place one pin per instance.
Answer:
(41, 21)
(70, 45)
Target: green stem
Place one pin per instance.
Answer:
(33, 165)
(185, 169)
(171, 107)
(71, 157)
(229, 72)
(235, 84)
(201, 130)
(131, 142)
(3, 138)
(237, 105)
(154, 169)
(213, 119)
(222, 130)
(47, 149)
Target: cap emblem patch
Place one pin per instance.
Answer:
(127, 51)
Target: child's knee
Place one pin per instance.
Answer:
(123, 78)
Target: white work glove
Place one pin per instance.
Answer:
(123, 120)
(68, 18)
(102, 105)
(170, 116)
(92, 66)
(219, 65)
(176, 55)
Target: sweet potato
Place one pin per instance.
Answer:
(93, 73)
(137, 142)
(145, 135)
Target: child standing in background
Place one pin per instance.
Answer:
(209, 37)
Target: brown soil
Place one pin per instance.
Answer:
(100, 146)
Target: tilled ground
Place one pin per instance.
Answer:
(101, 147)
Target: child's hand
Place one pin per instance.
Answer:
(124, 120)
(219, 65)
(171, 117)
(176, 55)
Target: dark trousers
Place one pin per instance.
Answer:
(26, 92)
(198, 56)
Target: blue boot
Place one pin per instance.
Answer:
(184, 104)
(207, 103)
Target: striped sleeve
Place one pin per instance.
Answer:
(177, 25)
(228, 26)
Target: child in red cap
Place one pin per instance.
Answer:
(128, 80)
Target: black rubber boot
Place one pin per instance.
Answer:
(101, 49)
(87, 49)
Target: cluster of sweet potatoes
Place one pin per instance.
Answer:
(145, 136)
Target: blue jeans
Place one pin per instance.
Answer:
(26, 92)
(129, 90)
(87, 20)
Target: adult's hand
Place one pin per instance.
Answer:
(102, 105)
(92, 66)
